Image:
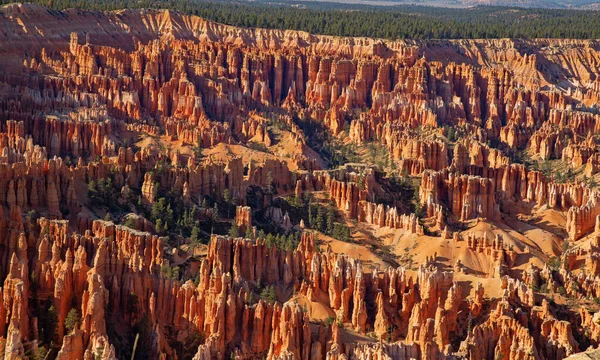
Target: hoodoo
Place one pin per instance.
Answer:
(177, 188)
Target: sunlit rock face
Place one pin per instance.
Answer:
(150, 163)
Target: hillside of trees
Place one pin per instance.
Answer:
(397, 22)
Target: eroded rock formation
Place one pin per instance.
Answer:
(172, 128)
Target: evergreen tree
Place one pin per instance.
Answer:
(227, 200)
(234, 231)
(330, 224)
(48, 321)
(71, 320)
(268, 294)
(133, 304)
(195, 236)
(319, 221)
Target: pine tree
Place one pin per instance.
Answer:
(269, 184)
(158, 225)
(227, 200)
(268, 294)
(234, 231)
(329, 220)
(195, 235)
(133, 303)
(319, 220)
(92, 190)
(215, 211)
(71, 320)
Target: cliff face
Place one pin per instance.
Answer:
(134, 116)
